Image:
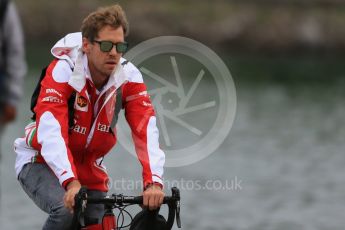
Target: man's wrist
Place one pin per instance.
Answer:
(73, 184)
(153, 184)
(67, 184)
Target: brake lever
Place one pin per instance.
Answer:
(81, 201)
(176, 194)
(178, 218)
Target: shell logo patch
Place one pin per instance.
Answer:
(81, 103)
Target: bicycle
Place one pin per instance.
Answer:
(120, 202)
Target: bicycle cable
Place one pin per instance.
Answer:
(121, 214)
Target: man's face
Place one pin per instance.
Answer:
(102, 64)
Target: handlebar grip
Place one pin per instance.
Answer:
(140, 200)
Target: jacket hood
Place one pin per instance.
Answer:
(68, 47)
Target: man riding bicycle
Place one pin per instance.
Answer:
(74, 122)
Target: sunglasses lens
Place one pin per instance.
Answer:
(106, 46)
(121, 47)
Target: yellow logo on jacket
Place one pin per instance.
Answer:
(81, 103)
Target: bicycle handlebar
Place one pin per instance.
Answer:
(120, 199)
(172, 201)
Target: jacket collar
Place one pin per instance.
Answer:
(81, 71)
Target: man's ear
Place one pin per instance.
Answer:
(85, 45)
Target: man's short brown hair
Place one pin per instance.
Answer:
(113, 16)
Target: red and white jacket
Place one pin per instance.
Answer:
(78, 154)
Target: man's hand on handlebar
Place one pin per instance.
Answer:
(153, 197)
(72, 189)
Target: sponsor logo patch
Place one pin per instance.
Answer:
(80, 129)
(52, 99)
(147, 104)
(81, 103)
(103, 128)
(53, 91)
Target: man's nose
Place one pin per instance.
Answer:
(113, 51)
